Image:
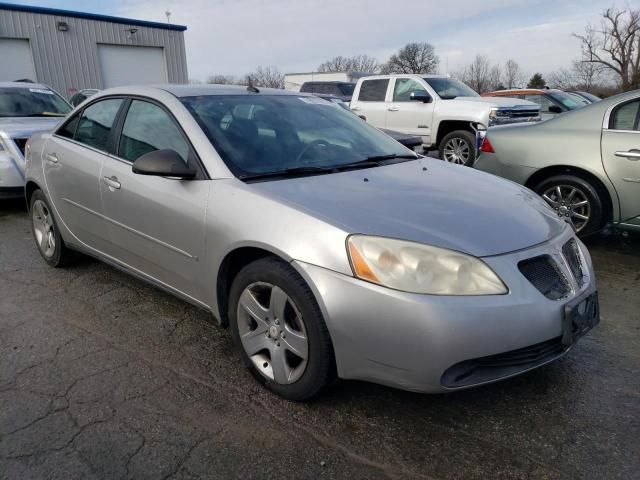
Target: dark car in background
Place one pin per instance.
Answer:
(81, 95)
(342, 90)
(589, 97)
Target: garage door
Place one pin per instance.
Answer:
(17, 61)
(127, 65)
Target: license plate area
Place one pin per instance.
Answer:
(580, 316)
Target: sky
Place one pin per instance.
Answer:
(232, 37)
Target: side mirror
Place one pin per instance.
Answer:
(163, 163)
(555, 109)
(420, 96)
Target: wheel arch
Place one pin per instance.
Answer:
(234, 261)
(447, 126)
(29, 188)
(610, 208)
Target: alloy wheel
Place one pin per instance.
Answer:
(273, 333)
(457, 150)
(44, 228)
(570, 203)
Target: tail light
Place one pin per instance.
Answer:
(486, 146)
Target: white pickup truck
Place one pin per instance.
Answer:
(441, 110)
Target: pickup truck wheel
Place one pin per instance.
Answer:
(459, 147)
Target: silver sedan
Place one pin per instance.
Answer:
(329, 249)
(584, 163)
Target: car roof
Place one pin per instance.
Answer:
(23, 85)
(209, 89)
(327, 82)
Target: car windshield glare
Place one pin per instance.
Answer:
(258, 134)
(32, 102)
(448, 88)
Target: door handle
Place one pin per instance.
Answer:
(112, 183)
(51, 158)
(355, 109)
(632, 155)
(393, 109)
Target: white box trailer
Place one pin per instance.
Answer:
(293, 81)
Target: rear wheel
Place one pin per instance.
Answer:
(278, 327)
(459, 147)
(46, 233)
(575, 199)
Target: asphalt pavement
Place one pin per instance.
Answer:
(103, 376)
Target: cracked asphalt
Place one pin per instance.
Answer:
(103, 376)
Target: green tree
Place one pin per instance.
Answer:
(536, 81)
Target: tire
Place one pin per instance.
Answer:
(458, 147)
(572, 205)
(46, 232)
(261, 285)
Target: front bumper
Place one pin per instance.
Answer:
(409, 340)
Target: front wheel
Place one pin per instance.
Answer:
(277, 325)
(459, 147)
(574, 199)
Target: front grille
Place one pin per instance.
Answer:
(546, 276)
(571, 253)
(494, 367)
(21, 143)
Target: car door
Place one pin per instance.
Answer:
(621, 157)
(156, 224)
(406, 115)
(72, 162)
(370, 103)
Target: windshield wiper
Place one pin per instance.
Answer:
(391, 156)
(289, 172)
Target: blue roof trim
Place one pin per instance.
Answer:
(90, 16)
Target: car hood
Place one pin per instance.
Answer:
(24, 127)
(499, 101)
(426, 201)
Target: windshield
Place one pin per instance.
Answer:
(347, 88)
(32, 102)
(448, 88)
(590, 96)
(257, 134)
(569, 101)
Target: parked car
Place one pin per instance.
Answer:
(342, 90)
(25, 108)
(552, 102)
(327, 247)
(585, 164)
(81, 95)
(441, 110)
(412, 142)
(589, 97)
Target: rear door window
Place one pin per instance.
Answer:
(626, 116)
(96, 122)
(373, 90)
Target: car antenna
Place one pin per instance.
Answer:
(251, 88)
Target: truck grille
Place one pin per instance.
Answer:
(486, 369)
(21, 143)
(546, 276)
(571, 253)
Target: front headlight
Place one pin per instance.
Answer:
(417, 268)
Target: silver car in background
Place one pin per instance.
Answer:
(584, 163)
(25, 108)
(328, 248)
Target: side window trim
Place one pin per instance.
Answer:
(193, 159)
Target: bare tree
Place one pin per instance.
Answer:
(357, 63)
(413, 58)
(269, 77)
(481, 75)
(222, 79)
(512, 76)
(582, 75)
(615, 44)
